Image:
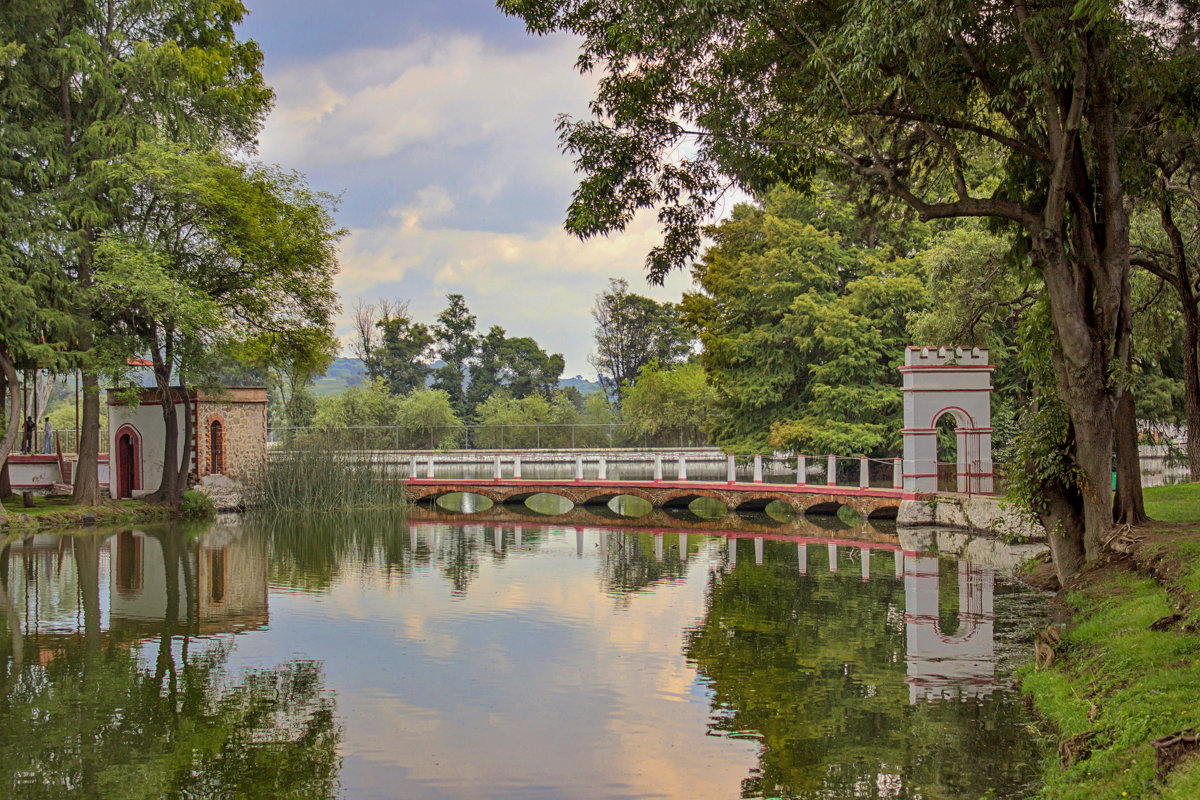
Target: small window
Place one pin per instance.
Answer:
(216, 448)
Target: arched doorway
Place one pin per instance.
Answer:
(128, 458)
(216, 448)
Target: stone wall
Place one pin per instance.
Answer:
(971, 512)
(242, 414)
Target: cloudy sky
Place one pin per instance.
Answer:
(434, 121)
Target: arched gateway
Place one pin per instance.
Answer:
(940, 381)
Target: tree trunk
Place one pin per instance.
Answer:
(87, 481)
(189, 435)
(14, 421)
(1128, 506)
(168, 491)
(1065, 533)
(1191, 380)
(1094, 455)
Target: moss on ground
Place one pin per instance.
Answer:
(59, 513)
(1128, 668)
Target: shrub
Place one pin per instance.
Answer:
(196, 505)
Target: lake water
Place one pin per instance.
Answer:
(370, 657)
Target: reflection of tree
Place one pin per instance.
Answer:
(813, 668)
(309, 551)
(90, 718)
(629, 565)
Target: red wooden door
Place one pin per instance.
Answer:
(126, 453)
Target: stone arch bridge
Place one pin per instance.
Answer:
(868, 502)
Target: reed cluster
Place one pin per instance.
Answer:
(311, 476)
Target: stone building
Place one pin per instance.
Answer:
(229, 437)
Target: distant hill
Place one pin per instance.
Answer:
(346, 372)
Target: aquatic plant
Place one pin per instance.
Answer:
(311, 475)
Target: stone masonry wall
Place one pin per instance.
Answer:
(243, 418)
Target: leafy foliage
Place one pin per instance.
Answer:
(803, 315)
(632, 331)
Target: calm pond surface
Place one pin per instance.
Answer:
(512, 657)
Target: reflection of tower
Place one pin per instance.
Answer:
(939, 666)
(229, 575)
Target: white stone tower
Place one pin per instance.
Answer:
(939, 381)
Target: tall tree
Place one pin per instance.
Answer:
(903, 97)
(803, 315)
(296, 358)
(213, 251)
(518, 365)
(97, 78)
(401, 357)
(456, 343)
(632, 331)
(364, 339)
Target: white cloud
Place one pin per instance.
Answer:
(462, 134)
(438, 92)
(540, 284)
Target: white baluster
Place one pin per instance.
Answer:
(731, 469)
(899, 554)
(898, 473)
(496, 467)
(657, 467)
(758, 550)
(429, 468)
(682, 467)
(864, 473)
(801, 470)
(578, 467)
(866, 564)
(831, 471)
(658, 547)
(832, 558)
(602, 470)
(758, 469)
(802, 557)
(412, 466)
(516, 468)
(683, 547)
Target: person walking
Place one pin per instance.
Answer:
(47, 435)
(27, 442)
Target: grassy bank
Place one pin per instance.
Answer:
(1127, 670)
(59, 513)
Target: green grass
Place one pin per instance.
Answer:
(1179, 503)
(44, 506)
(1122, 681)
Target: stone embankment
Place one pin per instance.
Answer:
(971, 512)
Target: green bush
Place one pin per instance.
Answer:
(196, 505)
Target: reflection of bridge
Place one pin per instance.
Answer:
(868, 501)
(940, 666)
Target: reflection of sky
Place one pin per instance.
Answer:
(535, 683)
